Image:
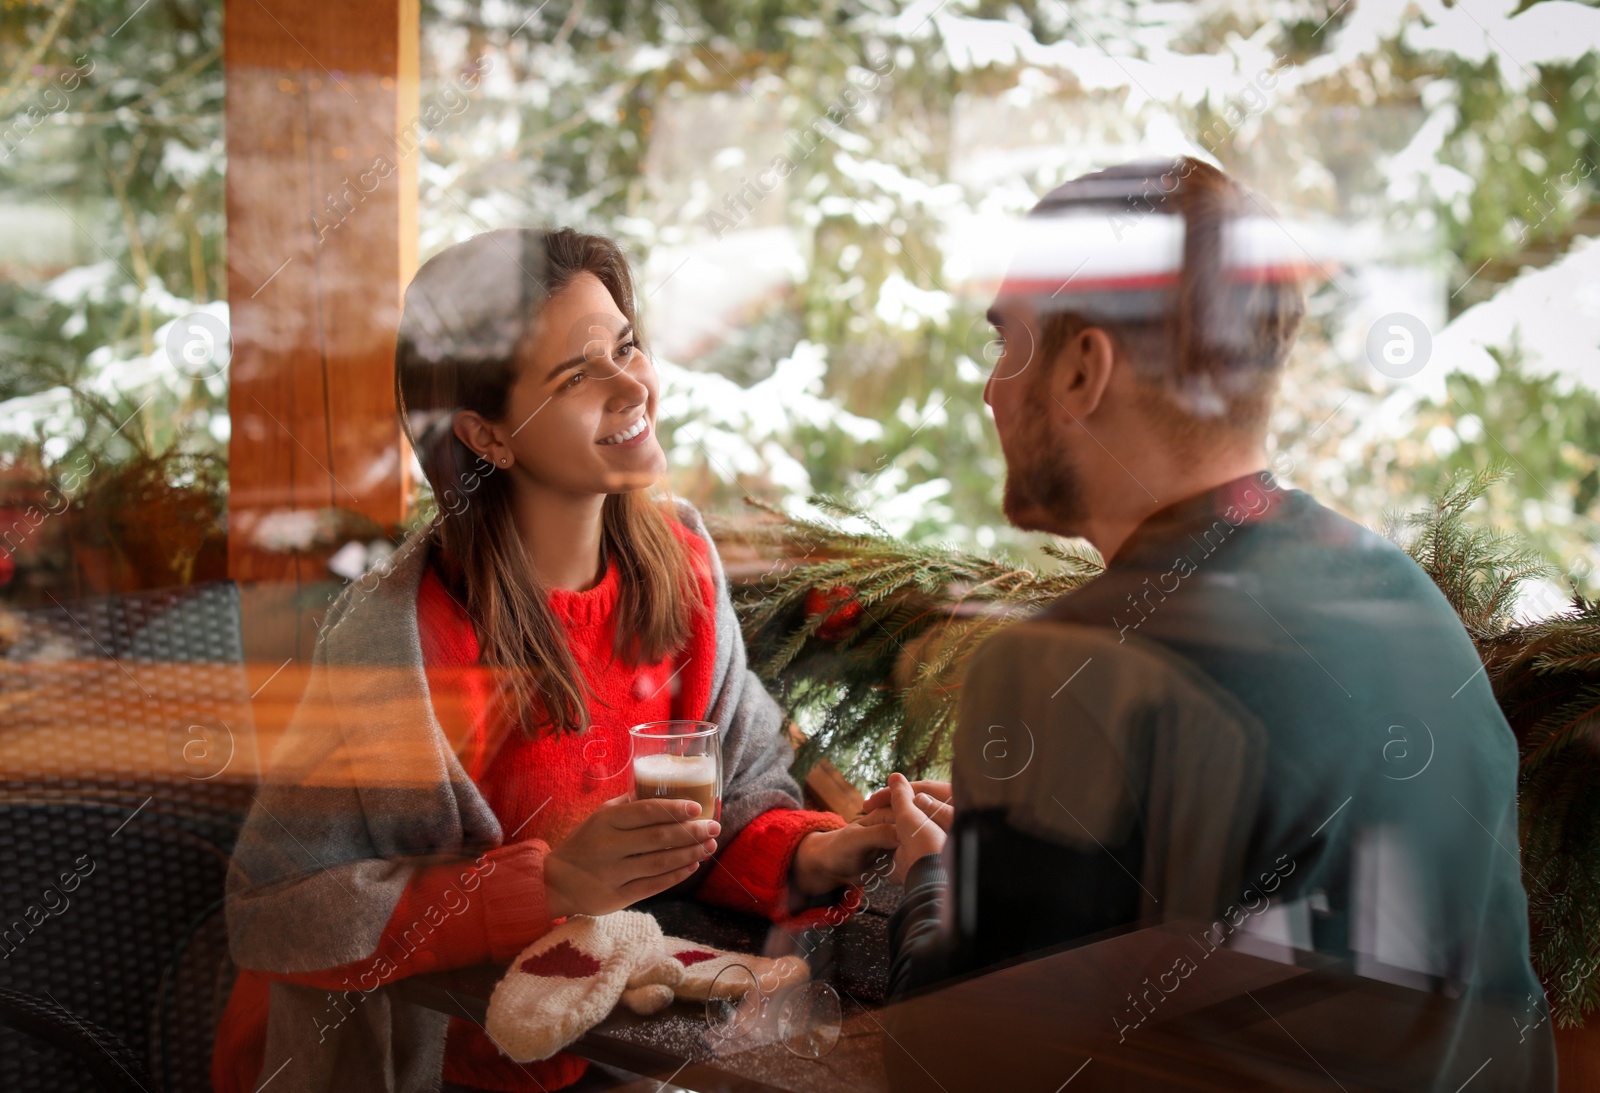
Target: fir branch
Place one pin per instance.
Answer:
(1479, 569)
(883, 696)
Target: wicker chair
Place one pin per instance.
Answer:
(125, 770)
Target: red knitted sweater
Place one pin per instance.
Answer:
(540, 788)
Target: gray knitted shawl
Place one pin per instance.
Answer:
(325, 853)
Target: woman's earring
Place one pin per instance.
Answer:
(505, 461)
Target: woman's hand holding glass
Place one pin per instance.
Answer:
(624, 852)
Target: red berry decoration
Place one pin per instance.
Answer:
(837, 607)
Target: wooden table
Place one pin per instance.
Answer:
(1237, 1022)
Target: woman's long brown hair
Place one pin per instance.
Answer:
(469, 314)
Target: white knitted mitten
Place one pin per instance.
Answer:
(649, 989)
(565, 983)
(702, 964)
(648, 999)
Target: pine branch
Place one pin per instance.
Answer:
(1480, 570)
(883, 695)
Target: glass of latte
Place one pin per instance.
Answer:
(681, 759)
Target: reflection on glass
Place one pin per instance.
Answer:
(1220, 764)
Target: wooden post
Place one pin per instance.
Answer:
(322, 102)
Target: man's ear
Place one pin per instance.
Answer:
(478, 435)
(1082, 372)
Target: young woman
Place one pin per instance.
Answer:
(455, 778)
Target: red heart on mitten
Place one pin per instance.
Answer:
(561, 962)
(690, 957)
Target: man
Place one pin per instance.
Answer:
(1262, 718)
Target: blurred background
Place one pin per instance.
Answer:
(818, 321)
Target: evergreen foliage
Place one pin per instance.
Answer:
(880, 696)
(1480, 569)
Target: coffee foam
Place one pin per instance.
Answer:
(676, 770)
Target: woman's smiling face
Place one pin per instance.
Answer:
(581, 418)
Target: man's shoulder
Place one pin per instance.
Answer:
(1334, 567)
(1046, 665)
(1311, 521)
(1302, 550)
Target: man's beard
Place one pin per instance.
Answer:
(1045, 493)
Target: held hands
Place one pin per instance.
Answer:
(919, 814)
(825, 860)
(624, 852)
(929, 797)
